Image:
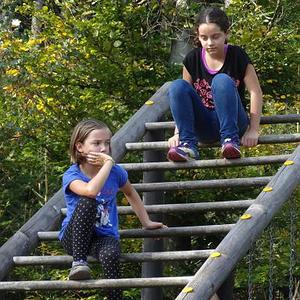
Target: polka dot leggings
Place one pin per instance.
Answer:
(79, 240)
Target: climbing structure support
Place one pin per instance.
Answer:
(153, 269)
(238, 241)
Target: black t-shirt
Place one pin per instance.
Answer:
(235, 65)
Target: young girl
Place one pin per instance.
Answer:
(208, 104)
(90, 187)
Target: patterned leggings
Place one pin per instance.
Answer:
(79, 240)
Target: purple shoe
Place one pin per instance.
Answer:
(230, 149)
(183, 152)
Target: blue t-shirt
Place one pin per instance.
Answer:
(107, 223)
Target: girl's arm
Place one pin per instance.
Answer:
(174, 140)
(251, 135)
(137, 205)
(186, 75)
(93, 187)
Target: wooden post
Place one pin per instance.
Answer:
(153, 269)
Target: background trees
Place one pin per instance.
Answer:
(62, 60)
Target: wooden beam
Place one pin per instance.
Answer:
(276, 119)
(264, 139)
(26, 239)
(197, 184)
(93, 284)
(133, 130)
(125, 257)
(239, 240)
(208, 163)
(166, 232)
(191, 207)
(186, 207)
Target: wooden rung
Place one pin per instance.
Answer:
(209, 163)
(197, 184)
(186, 207)
(166, 232)
(128, 257)
(93, 284)
(265, 139)
(292, 118)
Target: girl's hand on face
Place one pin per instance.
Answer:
(98, 158)
(250, 138)
(154, 225)
(173, 141)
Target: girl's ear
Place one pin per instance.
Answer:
(78, 146)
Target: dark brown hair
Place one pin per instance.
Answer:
(211, 15)
(80, 133)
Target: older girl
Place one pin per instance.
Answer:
(208, 104)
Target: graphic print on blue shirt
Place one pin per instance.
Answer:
(102, 217)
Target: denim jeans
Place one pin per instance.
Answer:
(196, 122)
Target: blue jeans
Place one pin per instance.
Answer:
(196, 122)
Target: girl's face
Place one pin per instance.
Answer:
(212, 38)
(97, 141)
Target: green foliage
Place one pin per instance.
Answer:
(103, 59)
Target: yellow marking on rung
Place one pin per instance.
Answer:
(149, 102)
(288, 162)
(268, 189)
(215, 254)
(188, 289)
(246, 216)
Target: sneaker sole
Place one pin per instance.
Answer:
(176, 157)
(80, 275)
(230, 152)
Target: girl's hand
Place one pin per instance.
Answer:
(250, 138)
(98, 158)
(154, 225)
(173, 141)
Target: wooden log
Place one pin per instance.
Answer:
(276, 119)
(187, 207)
(209, 163)
(239, 240)
(265, 139)
(125, 257)
(166, 232)
(153, 268)
(191, 207)
(93, 284)
(197, 184)
(26, 239)
(134, 129)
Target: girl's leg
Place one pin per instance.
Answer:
(77, 237)
(194, 121)
(107, 251)
(231, 114)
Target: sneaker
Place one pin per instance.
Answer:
(230, 149)
(183, 152)
(80, 271)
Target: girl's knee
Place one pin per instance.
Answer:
(178, 87)
(222, 81)
(87, 202)
(86, 206)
